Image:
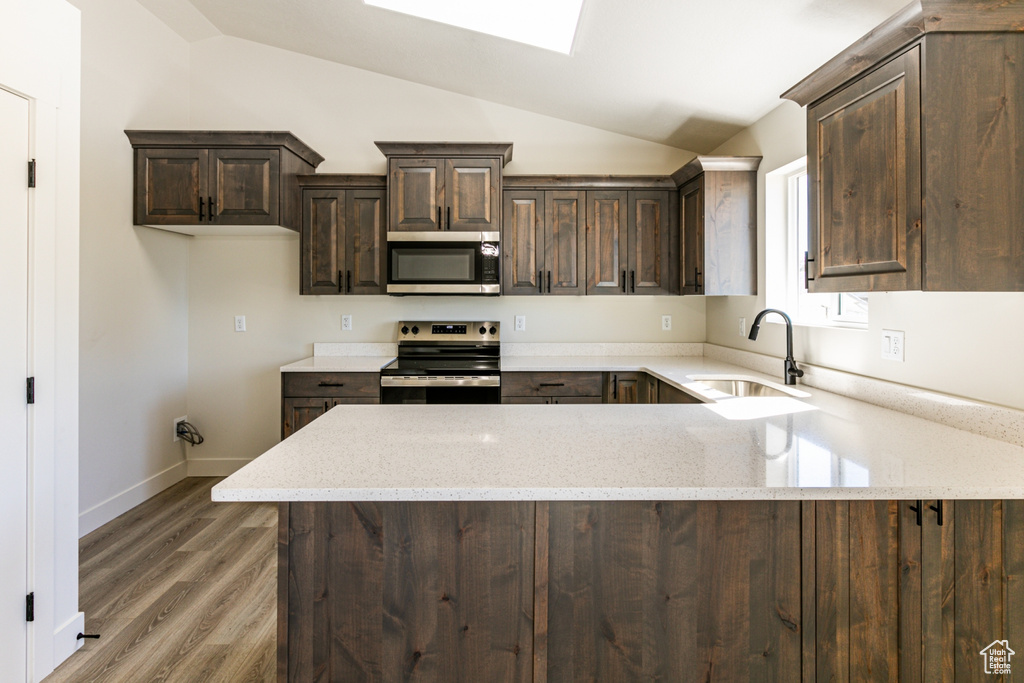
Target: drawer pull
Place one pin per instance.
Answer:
(552, 384)
(332, 384)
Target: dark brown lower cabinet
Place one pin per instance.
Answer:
(671, 591)
(405, 592)
(609, 591)
(894, 600)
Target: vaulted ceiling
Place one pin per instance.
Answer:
(686, 73)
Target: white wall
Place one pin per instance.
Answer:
(234, 383)
(134, 299)
(40, 60)
(962, 344)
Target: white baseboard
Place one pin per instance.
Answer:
(215, 467)
(100, 514)
(65, 638)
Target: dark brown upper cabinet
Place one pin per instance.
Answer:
(342, 238)
(445, 186)
(630, 242)
(219, 182)
(914, 154)
(718, 225)
(542, 242)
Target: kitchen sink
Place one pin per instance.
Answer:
(742, 387)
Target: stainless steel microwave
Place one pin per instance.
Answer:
(443, 263)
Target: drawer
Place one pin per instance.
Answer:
(331, 384)
(551, 384)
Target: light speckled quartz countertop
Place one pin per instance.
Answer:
(338, 364)
(816, 445)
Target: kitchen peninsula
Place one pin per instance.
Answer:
(791, 538)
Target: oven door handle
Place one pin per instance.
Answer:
(437, 381)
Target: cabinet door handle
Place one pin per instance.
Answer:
(623, 282)
(807, 270)
(440, 225)
(448, 218)
(200, 209)
(918, 509)
(348, 281)
(552, 384)
(615, 387)
(696, 277)
(549, 282)
(540, 281)
(209, 208)
(341, 283)
(325, 383)
(632, 281)
(938, 511)
(326, 406)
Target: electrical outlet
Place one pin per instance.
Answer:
(520, 323)
(743, 327)
(239, 323)
(174, 428)
(346, 323)
(666, 322)
(892, 345)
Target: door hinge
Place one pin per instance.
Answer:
(32, 173)
(30, 390)
(30, 607)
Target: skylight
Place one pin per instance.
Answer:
(550, 24)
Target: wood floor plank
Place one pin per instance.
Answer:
(180, 589)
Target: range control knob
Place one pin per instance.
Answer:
(494, 330)
(405, 329)
(415, 330)
(483, 330)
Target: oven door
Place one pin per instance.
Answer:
(440, 390)
(443, 263)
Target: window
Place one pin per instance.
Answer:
(786, 242)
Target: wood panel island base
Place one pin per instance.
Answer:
(728, 590)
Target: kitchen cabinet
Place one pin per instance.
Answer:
(913, 155)
(543, 235)
(670, 394)
(306, 396)
(343, 231)
(894, 599)
(626, 387)
(219, 182)
(551, 387)
(630, 237)
(445, 186)
(718, 225)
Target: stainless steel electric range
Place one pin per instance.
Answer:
(444, 362)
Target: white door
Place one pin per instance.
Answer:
(14, 151)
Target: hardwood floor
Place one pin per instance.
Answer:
(181, 589)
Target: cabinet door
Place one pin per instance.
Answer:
(323, 249)
(416, 194)
(622, 387)
(522, 243)
(245, 186)
(973, 573)
(169, 184)
(864, 151)
(564, 256)
(471, 195)
(299, 412)
(691, 215)
(606, 242)
(649, 243)
(365, 252)
(862, 573)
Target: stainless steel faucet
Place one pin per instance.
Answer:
(791, 371)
